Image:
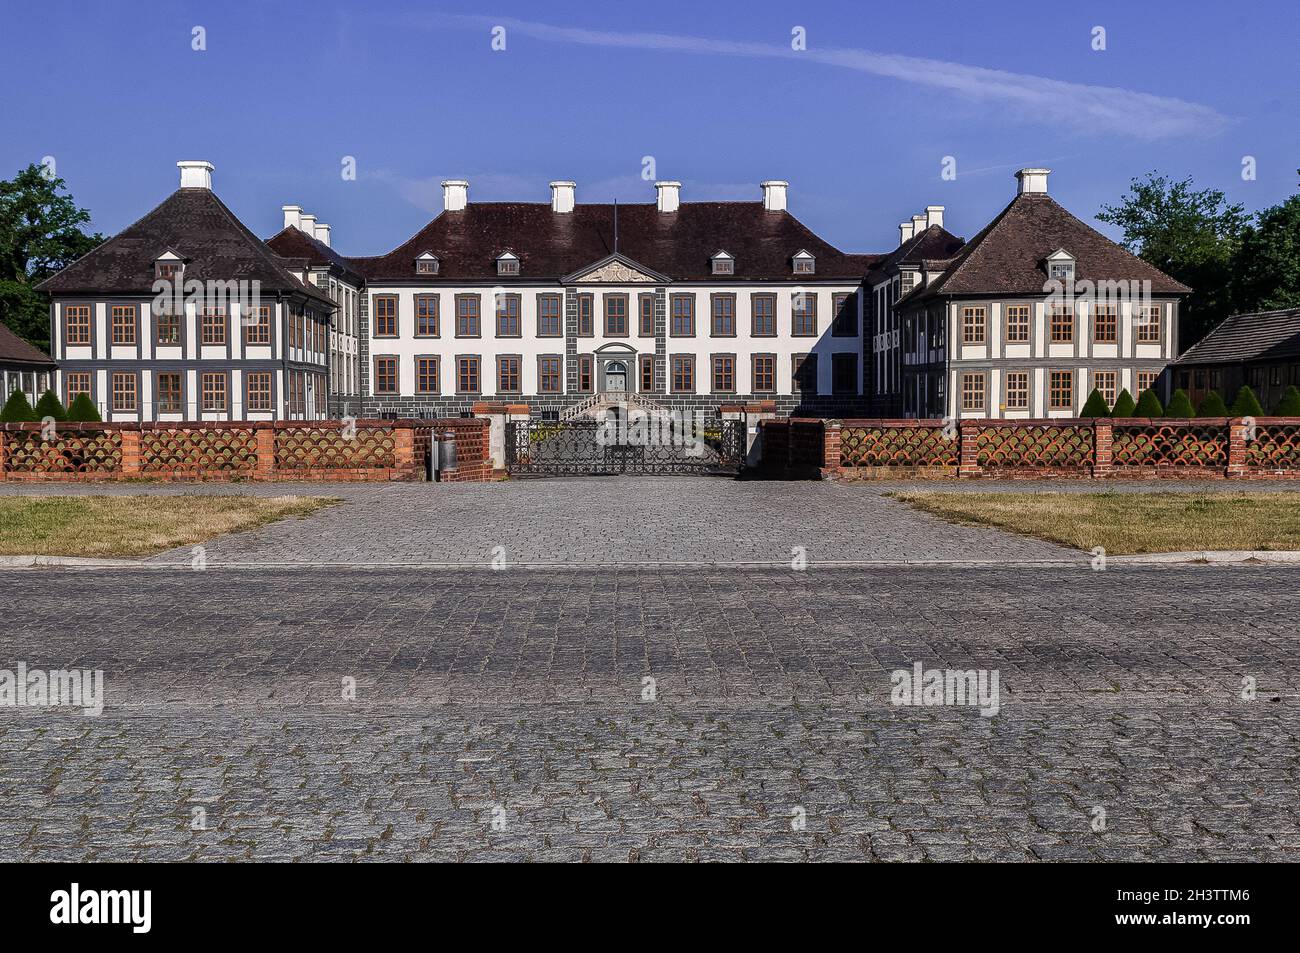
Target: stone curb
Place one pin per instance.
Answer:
(1278, 557)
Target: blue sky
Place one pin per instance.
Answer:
(859, 122)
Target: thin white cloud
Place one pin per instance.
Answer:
(1109, 109)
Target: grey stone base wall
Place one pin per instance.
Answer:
(786, 405)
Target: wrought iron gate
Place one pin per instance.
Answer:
(578, 447)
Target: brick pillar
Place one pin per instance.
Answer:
(968, 434)
(1236, 448)
(265, 452)
(1102, 432)
(130, 452)
(831, 447)
(404, 452)
(4, 452)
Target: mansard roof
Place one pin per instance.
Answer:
(1259, 336)
(14, 350)
(215, 244)
(294, 243)
(1009, 256)
(550, 245)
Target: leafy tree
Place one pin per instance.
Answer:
(1180, 405)
(1095, 405)
(1247, 404)
(82, 408)
(1125, 406)
(1212, 405)
(40, 233)
(17, 409)
(1289, 405)
(1191, 235)
(50, 406)
(1267, 272)
(1149, 405)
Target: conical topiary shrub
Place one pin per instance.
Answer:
(1180, 405)
(1247, 404)
(1125, 406)
(82, 409)
(1212, 405)
(50, 406)
(1289, 405)
(17, 410)
(1149, 405)
(1095, 405)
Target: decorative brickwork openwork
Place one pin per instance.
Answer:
(1276, 447)
(1033, 447)
(86, 452)
(1156, 443)
(313, 448)
(897, 444)
(186, 450)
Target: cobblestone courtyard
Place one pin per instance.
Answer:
(500, 715)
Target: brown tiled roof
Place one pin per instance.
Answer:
(930, 243)
(1008, 256)
(296, 245)
(676, 244)
(1261, 336)
(196, 225)
(14, 350)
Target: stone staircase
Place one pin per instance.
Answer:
(593, 405)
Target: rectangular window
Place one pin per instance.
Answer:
(724, 316)
(1147, 324)
(548, 375)
(972, 391)
(1017, 396)
(258, 384)
(844, 316)
(584, 373)
(212, 326)
(426, 375)
(257, 326)
(124, 324)
(763, 315)
(214, 391)
(973, 323)
(615, 316)
(167, 269)
(124, 393)
(1105, 324)
(844, 373)
(1062, 324)
(549, 322)
(167, 327)
(168, 399)
(803, 310)
(1147, 380)
(1106, 382)
(467, 374)
(507, 374)
(508, 323)
(1060, 395)
(385, 375)
(467, 316)
(764, 376)
(804, 266)
(586, 310)
(683, 316)
(426, 266)
(647, 323)
(385, 308)
(426, 316)
(804, 373)
(74, 383)
(76, 321)
(724, 373)
(683, 374)
(1017, 321)
(647, 368)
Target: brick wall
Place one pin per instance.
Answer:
(283, 450)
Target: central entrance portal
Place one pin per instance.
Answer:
(616, 377)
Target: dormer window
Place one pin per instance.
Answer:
(804, 263)
(723, 264)
(168, 266)
(507, 264)
(1060, 265)
(426, 264)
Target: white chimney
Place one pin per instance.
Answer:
(195, 175)
(918, 224)
(774, 194)
(455, 195)
(669, 196)
(563, 196)
(308, 224)
(934, 215)
(904, 232)
(1033, 181)
(323, 234)
(292, 215)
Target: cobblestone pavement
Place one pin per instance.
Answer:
(500, 715)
